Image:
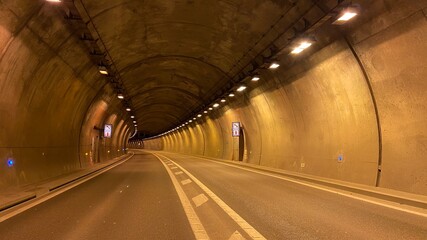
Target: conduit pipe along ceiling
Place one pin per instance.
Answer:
(172, 60)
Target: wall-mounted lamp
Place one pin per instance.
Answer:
(274, 65)
(302, 44)
(241, 88)
(255, 78)
(347, 14)
(103, 70)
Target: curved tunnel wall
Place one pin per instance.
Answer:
(361, 100)
(51, 98)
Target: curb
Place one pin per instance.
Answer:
(414, 200)
(33, 195)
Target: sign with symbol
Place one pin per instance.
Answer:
(108, 130)
(235, 129)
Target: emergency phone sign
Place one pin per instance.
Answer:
(108, 130)
(235, 129)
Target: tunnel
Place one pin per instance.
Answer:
(252, 104)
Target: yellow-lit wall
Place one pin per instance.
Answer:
(51, 98)
(302, 117)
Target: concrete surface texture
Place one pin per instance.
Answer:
(351, 107)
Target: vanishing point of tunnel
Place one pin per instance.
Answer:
(213, 119)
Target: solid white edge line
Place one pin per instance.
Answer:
(323, 189)
(251, 231)
(44, 198)
(195, 223)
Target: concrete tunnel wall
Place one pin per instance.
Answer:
(51, 97)
(364, 99)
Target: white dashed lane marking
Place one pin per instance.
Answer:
(178, 173)
(186, 181)
(200, 199)
(195, 223)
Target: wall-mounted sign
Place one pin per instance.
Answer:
(235, 129)
(108, 130)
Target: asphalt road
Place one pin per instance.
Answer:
(137, 200)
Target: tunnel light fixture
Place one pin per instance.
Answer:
(301, 47)
(194, 118)
(56, 1)
(134, 121)
(132, 116)
(241, 88)
(190, 121)
(231, 95)
(120, 96)
(274, 65)
(223, 100)
(128, 109)
(103, 70)
(346, 15)
(216, 105)
(205, 112)
(199, 115)
(210, 109)
(255, 78)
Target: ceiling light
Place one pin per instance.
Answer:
(103, 70)
(210, 109)
(255, 78)
(54, 1)
(216, 105)
(194, 118)
(231, 95)
(132, 116)
(134, 121)
(347, 14)
(205, 112)
(241, 88)
(199, 115)
(223, 100)
(274, 65)
(128, 109)
(190, 121)
(301, 47)
(120, 96)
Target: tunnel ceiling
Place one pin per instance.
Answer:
(172, 56)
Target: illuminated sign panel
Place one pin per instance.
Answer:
(108, 130)
(235, 129)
